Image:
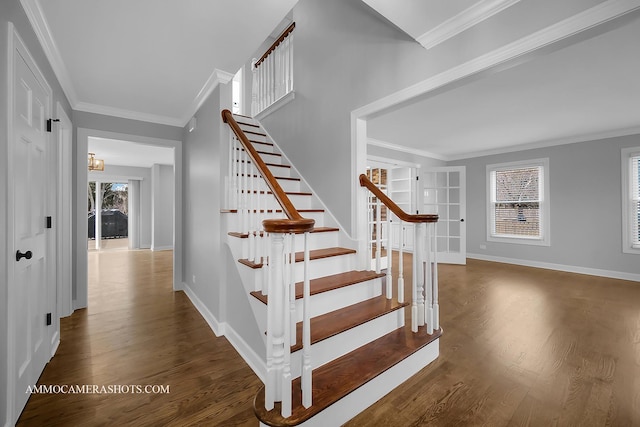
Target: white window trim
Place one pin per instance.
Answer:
(545, 208)
(627, 245)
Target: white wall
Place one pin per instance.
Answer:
(586, 209)
(162, 207)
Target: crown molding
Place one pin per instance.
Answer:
(409, 150)
(41, 28)
(464, 20)
(216, 78)
(614, 133)
(127, 114)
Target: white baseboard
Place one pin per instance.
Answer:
(559, 267)
(255, 362)
(216, 327)
(161, 248)
(55, 343)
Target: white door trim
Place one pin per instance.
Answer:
(64, 220)
(559, 34)
(15, 43)
(82, 235)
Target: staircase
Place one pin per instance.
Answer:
(336, 351)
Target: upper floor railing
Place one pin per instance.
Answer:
(273, 73)
(424, 303)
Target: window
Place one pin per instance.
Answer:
(518, 208)
(631, 200)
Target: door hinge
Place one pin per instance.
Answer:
(50, 123)
(48, 222)
(48, 319)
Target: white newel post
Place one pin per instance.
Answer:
(400, 262)
(434, 269)
(389, 279)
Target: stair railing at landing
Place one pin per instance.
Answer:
(271, 242)
(424, 304)
(273, 72)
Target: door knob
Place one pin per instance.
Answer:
(462, 220)
(20, 255)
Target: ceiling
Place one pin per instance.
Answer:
(589, 89)
(126, 153)
(147, 59)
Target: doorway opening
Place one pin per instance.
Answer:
(108, 215)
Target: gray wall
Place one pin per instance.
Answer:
(585, 202)
(11, 11)
(206, 255)
(162, 206)
(424, 162)
(346, 56)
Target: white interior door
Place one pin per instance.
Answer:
(443, 191)
(28, 342)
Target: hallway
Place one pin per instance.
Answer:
(137, 331)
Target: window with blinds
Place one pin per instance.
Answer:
(635, 202)
(516, 205)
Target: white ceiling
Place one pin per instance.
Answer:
(126, 153)
(591, 88)
(149, 59)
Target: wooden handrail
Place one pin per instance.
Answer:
(397, 211)
(275, 44)
(296, 223)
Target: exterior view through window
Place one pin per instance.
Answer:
(517, 210)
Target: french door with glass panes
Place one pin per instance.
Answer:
(443, 193)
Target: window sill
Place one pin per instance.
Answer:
(281, 102)
(519, 241)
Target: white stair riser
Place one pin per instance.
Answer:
(254, 137)
(338, 345)
(326, 266)
(240, 246)
(234, 220)
(336, 299)
(280, 170)
(268, 147)
(269, 202)
(267, 156)
(287, 185)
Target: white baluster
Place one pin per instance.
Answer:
(254, 88)
(426, 261)
(252, 215)
(306, 331)
(290, 86)
(290, 283)
(400, 262)
(436, 305)
(421, 273)
(378, 234)
(389, 280)
(286, 314)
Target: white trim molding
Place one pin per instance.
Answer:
(128, 114)
(559, 267)
(466, 19)
(279, 103)
(217, 327)
(409, 150)
(41, 28)
(217, 77)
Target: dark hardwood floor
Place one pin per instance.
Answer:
(521, 346)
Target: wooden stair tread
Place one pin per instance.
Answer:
(270, 144)
(329, 283)
(276, 177)
(263, 152)
(293, 193)
(332, 323)
(254, 133)
(338, 378)
(241, 122)
(315, 230)
(315, 254)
